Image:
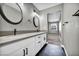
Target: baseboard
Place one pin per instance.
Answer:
(64, 49)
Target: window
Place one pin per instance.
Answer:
(53, 22)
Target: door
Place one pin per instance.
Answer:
(71, 29)
(53, 22)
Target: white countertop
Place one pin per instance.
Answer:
(9, 38)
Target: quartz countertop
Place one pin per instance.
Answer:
(10, 38)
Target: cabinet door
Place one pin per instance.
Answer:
(9, 48)
(12, 47)
(26, 49)
(30, 47)
(19, 52)
(30, 51)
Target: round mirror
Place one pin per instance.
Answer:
(11, 12)
(36, 21)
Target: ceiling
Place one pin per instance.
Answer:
(42, 6)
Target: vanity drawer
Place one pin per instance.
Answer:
(39, 42)
(19, 52)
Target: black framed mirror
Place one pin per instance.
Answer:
(11, 12)
(36, 21)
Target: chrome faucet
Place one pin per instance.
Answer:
(14, 31)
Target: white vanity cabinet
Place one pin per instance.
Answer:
(37, 44)
(12, 48)
(24, 47)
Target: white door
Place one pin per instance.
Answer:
(71, 29)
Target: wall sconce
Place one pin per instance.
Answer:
(35, 13)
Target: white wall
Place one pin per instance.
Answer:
(43, 13)
(71, 30)
(27, 9)
(44, 21)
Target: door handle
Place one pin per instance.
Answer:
(66, 22)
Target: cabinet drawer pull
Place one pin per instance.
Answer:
(44, 38)
(26, 51)
(23, 52)
(39, 42)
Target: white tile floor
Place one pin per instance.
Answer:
(54, 39)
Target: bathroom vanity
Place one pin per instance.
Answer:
(28, 44)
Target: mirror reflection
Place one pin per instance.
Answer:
(11, 12)
(36, 21)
